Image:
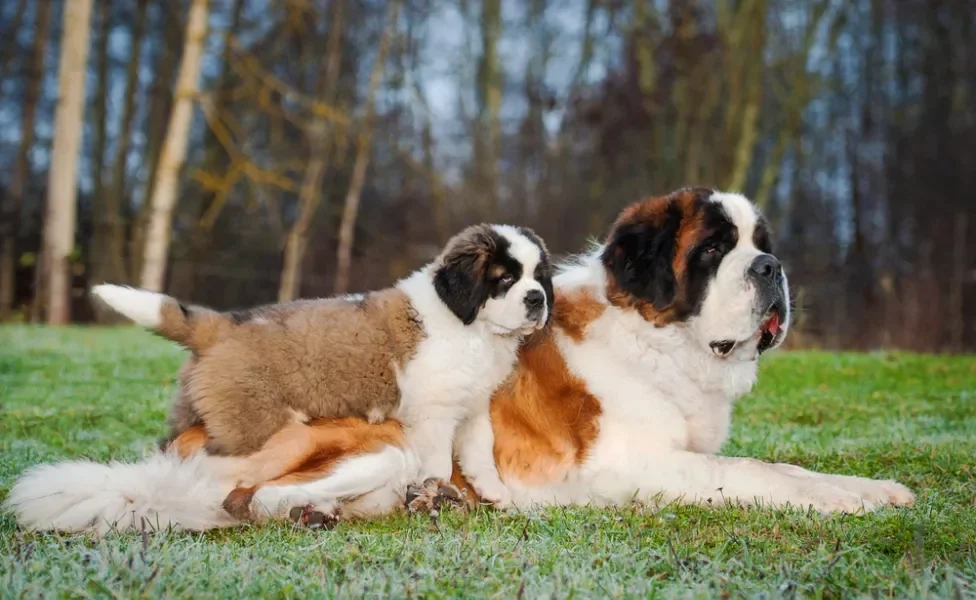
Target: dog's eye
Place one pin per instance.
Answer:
(506, 279)
(710, 249)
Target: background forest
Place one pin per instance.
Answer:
(235, 152)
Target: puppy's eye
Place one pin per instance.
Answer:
(506, 279)
(710, 249)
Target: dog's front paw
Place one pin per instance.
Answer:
(431, 495)
(832, 499)
(878, 491)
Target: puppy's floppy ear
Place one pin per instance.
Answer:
(640, 255)
(460, 278)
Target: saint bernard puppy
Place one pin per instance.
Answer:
(627, 395)
(429, 351)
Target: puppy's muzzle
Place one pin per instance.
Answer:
(535, 305)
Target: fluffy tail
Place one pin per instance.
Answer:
(159, 492)
(193, 327)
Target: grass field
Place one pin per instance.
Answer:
(102, 394)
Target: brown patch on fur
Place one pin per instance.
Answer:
(574, 311)
(544, 418)
(656, 211)
(189, 442)
(333, 358)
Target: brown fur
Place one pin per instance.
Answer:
(332, 358)
(544, 418)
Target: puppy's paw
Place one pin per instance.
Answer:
(430, 496)
(311, 517)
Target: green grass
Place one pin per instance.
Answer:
(102, 394)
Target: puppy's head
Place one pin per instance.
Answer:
(497, 274)
(701, 259)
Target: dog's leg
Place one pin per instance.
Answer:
(474, 447)
(881, 491)
(701, 478)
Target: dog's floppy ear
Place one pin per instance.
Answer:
(460, 278)
(640, 255)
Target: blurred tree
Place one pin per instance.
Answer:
(59, 222)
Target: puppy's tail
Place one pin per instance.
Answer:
(160, 492)
(193, 327)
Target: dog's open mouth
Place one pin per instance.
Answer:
(769, 332)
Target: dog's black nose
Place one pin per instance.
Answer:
(766, 267)
(534, 299)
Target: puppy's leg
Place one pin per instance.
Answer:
(474, 447)
(307, 453)
(353, 476)
(432, 437)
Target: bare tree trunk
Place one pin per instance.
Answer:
(364, 142)
(161, 107)
(59, 222)
(311, 192)
(10, 213)
(174, 151)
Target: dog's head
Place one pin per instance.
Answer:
(497, 274)
(701, 259)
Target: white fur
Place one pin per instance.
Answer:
(141, 306)
(159, 492)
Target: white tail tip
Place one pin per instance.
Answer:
(142, 306)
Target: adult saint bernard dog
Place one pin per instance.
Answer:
(626, 395)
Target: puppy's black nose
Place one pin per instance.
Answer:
(534, 299)
(766, 267)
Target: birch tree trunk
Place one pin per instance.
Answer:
(364, 143)
(59, 222)
(311, 192)
(10, 210)
(174, 152)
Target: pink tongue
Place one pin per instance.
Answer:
(772, 326)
